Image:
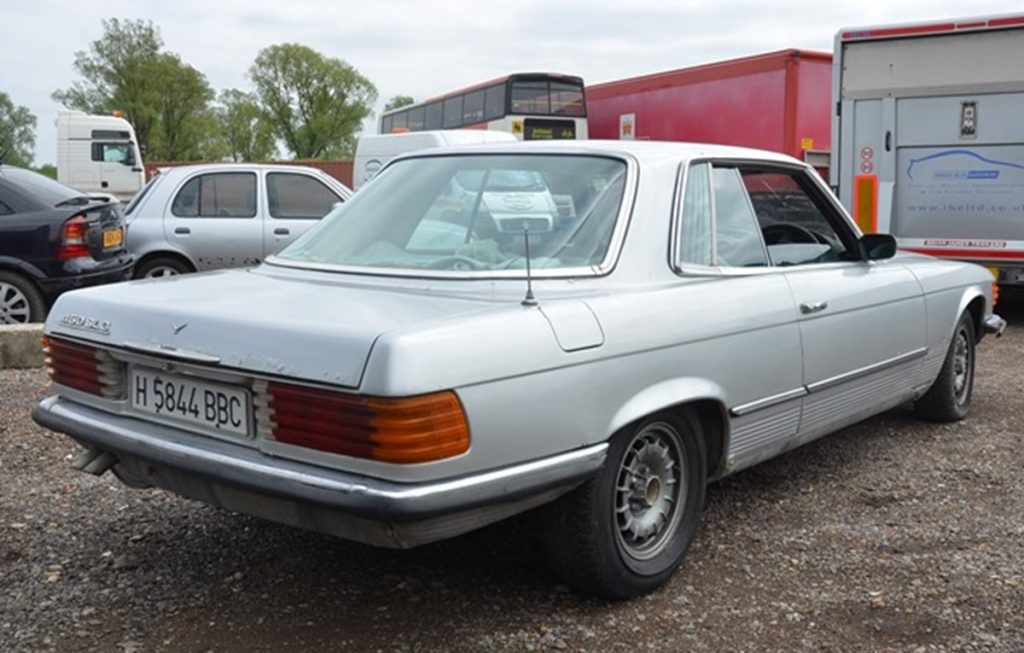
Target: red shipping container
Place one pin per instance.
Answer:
(778, 101)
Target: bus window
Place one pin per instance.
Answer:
(415, 120)
(530, 97)
(434, 113)
(494, 103)
(566, 100)
(385, 125)
(473, 108)
(452, 112)
(398, 121)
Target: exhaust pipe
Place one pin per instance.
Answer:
(94, 461)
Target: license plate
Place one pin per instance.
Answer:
(213, 407)
(112, 238)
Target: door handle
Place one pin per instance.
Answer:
(281, 231)
(813, 307)
(184, 231)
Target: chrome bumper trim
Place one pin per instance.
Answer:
(345, 491)
(995, 324)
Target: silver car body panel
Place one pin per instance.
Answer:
(601, 350)
(209, 243)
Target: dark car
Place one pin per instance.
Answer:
(52, 239)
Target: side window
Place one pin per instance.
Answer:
(292, 196)
(113, 153)
(434, 113)
(494, 102)
(415, 120)
(473, 108)
(218, 195)
(695, 228)
(792, 216)
(452, 112)
(737, 235)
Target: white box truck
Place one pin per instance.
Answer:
(928, 137)
(98, 155)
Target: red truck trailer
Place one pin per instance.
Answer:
(778, 101)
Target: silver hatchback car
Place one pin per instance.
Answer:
(204, 217)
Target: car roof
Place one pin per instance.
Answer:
(236, 167)
(643, 151)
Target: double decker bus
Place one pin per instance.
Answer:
(532, 106)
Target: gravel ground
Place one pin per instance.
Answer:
(892, 535)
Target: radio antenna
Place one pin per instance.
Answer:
(529, 300)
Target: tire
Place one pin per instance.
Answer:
(21, 301)
(949, 398)
(161, 266)
(617, 540)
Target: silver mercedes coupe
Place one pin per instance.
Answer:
(598, 328)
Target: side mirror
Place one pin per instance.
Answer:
(875, 247)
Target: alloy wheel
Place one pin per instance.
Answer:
(650, 492)
(14, 306)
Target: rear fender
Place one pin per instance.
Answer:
(669, 394)
(970, 294)
(17, 265)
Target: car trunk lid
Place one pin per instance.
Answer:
(320, 332)
(95, 230)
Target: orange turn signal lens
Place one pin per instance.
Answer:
(995, 294)
(418, 429)
(404, 430)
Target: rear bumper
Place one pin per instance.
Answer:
(348, 505)
(111, 271)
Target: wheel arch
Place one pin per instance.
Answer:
(24, 268)
(973, 302)
(166, 253)
(677, 396)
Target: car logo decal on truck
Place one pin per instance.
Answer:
(81, 323)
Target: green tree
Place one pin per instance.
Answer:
(47, 169)
(248, 135)
(398, 102)
(17, 133)
(316, 104)
(166, 100)
(186, 128)
(120, 72)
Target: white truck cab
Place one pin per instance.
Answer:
(375, 150)
(98, 155)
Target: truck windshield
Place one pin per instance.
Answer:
(469, 213)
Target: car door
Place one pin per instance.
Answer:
(119, 172)
(214, 217)
(752, 344)
(295, 202)
(862, 323)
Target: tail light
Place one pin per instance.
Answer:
(84, 368)
(404, 430)
(73, 239)
(995, 293)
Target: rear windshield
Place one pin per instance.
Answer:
(470, 213)
(142, 193)
(42, 188)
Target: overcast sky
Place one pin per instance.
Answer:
(426, 47)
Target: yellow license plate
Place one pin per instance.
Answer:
(112, 238)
